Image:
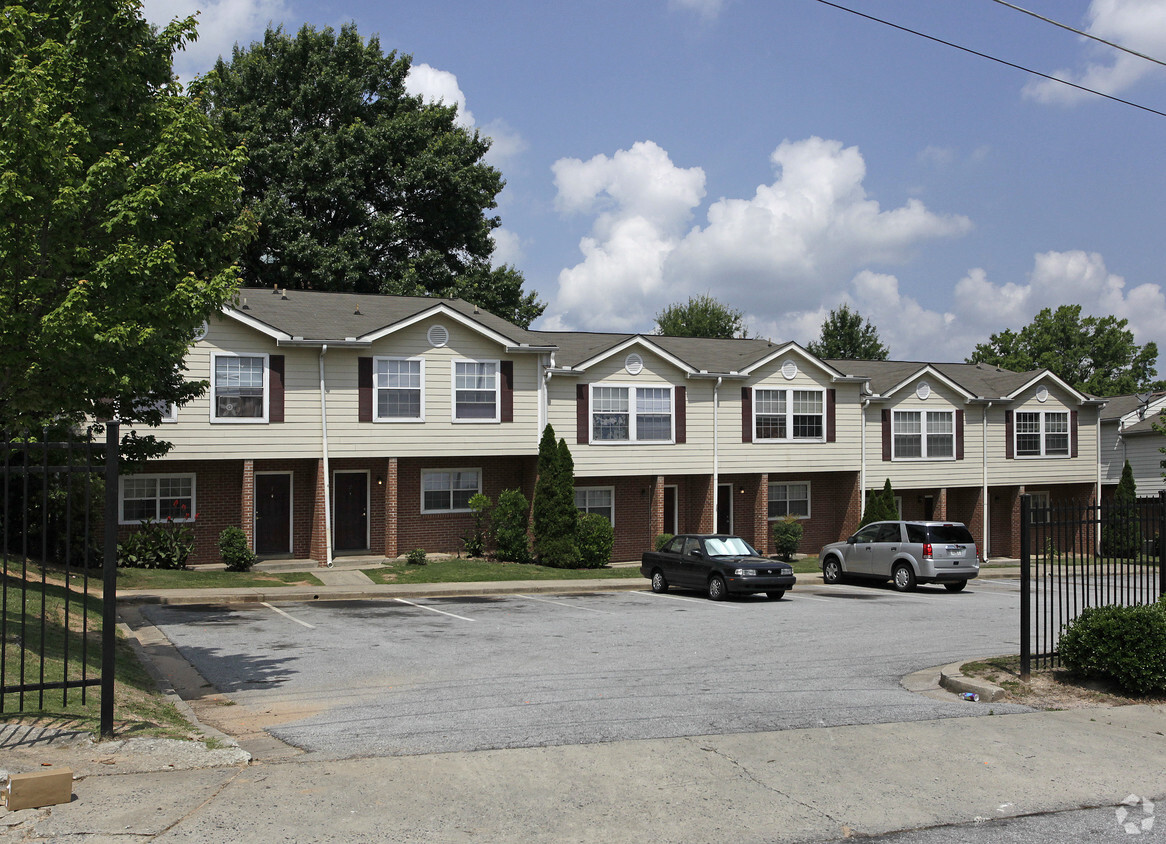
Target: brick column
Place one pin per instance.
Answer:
(318, 546)
(700, 503)
(391, 508)
(656, 511)
(941, 504)
(762, 541)
(976, 523)
(247, 510)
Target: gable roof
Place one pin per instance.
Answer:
(1119, 406)
(976, 380)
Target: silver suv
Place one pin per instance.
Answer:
(907, 553)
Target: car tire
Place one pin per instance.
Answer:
(659, 582)
(775, 595)
(903, 578)
(717, 589)
(832, 570)
(955, 586)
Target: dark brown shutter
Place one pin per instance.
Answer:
(831, 416)
(275, 385)
(582, 415)
(680, 400)
(1009, 446)
(1073, 432)
(886, 434)
(364, 389)
(959, 435)
(746, 415)
(506, 411)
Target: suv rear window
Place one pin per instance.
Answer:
(950, 533)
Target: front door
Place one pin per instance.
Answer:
(350, 511)
(724, 508)
(671, 522)
(273, 514)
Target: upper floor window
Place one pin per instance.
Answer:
(923, 434)
(1043, 433)
(449, 490)
(789, 499)
(239, 388)
(156, 497)
(399, 388)
(598, 499)
(789, 414)
(631, 414)
(475, 391)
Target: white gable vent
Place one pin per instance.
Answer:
(789, 370)
(1042, 394)
(923, 390)
(438, 335)
(634, 364)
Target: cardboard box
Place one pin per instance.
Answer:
(42, 788)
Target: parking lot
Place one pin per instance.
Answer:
(435, 675)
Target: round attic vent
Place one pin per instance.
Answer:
(789, 370)
(634, 364)
(201, 331)
(438, 335)
(1042, 394)
(923, 390)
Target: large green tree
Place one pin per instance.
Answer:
(120, 213)
(1096, 355)
(846, 336)
(357, 185)
(701, 316)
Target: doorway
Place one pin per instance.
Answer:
(273, 513)
(724, 508)
(671, 510)
(350, 511)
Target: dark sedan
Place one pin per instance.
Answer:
(717, 564)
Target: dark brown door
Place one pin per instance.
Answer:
(349, 511)
(272, 514)
(670, 525)
(724, 508)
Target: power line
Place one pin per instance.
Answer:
(991, 58)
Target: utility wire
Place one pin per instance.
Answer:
(992, 58)
(1082, 33)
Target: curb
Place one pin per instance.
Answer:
(951, 677)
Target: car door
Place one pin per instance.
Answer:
(859, 552)
(691, 564)
(885, 548)
(670, 559)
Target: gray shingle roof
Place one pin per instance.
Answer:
(978, 379)
(711, 355)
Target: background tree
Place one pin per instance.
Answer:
(845, 336)
(120, 213)
(555, 517)
(358, 186)
(1097, 355)
(701, 316)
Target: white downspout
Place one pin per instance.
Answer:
(1099, 455)
(327, 471)
(987, 500)
(716, 448)
(862, 461)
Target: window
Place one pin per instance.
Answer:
(599, 500)
(923, 435)
(786, 499)
(789, 415)
(1042, 433)
(239, 388)
(612, 419)
(1038, 508)
(449, 490)
(475, 391)
(399, 385)
(156, 497)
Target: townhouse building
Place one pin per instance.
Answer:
(352, 424)
(1128, 433)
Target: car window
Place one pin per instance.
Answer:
(916, 533)
(690, 545)
(675, 545)
(888, 533)
(729, 546)
(950, 533)
(867, 534)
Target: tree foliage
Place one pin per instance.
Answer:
(1122, 533)
(120, 213)
(701, 316)
(845, 336)
(1096, 355)
(357, 185)
(880, 505)
(555, 517)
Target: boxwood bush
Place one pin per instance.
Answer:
(595, 537)
(1125, 645)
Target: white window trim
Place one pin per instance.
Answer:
(1044, 455)
(234, 420)
(923, 435)
(121, 496)
(434, 471)
(408, 420)
(610, 489)
(809, 499)
(453, 392)
(789, 415)
(632, 438)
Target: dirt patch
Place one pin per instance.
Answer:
(1049, 689)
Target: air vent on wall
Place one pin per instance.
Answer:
(923, 390)
(789, 370)
(438, 335)
(634, 364)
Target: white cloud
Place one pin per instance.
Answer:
(1137, 24)
(441, 86)
(707, 9)
(221, 24)
(507, 247)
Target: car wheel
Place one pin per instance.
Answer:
(659, 583)
(832, 570)
(775, 595)
(717, 588)
(955, 586)
(903, 578)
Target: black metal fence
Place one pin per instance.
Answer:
(58, 536)
(1078, 556)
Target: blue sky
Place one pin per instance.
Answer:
(786, 156)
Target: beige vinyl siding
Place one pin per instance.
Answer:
(1145, 459)
(1114, 452)
(1036, 472)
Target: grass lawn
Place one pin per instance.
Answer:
(185, 579)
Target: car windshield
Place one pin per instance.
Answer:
(728, 546)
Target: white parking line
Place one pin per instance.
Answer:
(564, 604)
(285, 615)
(433, 609)
(704, 601)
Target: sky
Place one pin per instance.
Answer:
(786, 156)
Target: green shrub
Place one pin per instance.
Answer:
(509, 525)
(1121, 535)
(1126, 645)
(158, 545)
(555, 514)
(787, 535)
(880, 506)
(594, 537)
(235, 550)
(559, 552)
(416, 557)
(662, 540)
(475, 541)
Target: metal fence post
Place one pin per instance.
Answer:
(109, 580)
(1161, 542)
(1025, 588)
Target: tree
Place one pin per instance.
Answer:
(555, 516)
(880, 506)
(120, 214)
(358, 186)
(1096, 355)
(701, 316)
(845, 336)
(1122, 534)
